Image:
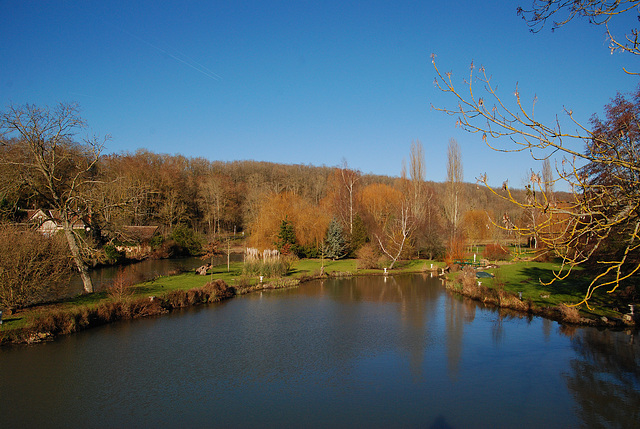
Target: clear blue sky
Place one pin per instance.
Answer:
(297, 81)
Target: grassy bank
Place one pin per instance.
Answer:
(164, 294)
(519, 286)
(167, 293)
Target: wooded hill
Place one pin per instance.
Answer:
(253, 197)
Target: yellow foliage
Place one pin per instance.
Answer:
(309, 222)
(381, 202)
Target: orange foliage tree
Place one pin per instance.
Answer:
(477, 225)
(310, 223)
(389, 219)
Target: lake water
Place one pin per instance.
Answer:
(361, 352)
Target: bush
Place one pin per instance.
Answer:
(217, 290)
(569, 314)
(187, 240)
(368, 256)
(34, 268)
(496, 252)
(112, 255)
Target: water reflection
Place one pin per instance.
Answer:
(355, 352)
(605, 378)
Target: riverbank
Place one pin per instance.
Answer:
(162, 295)
(519, 287)
(515, 286)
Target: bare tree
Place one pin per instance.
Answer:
(605, 206)
(212, 194)
(394, 238)
(454, 187)
(417, 175)
(50, 164)
(349, 179)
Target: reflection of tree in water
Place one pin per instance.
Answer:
(418, 310)
(605, 378)
(460, 311)
(417, 299)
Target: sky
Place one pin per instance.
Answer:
(300, 82)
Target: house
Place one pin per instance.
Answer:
(137, 234)
(49, 222)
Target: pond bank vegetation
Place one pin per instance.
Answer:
(515, 286)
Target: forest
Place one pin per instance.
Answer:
(113, 207)
(400, 216)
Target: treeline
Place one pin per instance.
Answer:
(254, 198)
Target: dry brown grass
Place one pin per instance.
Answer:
(569, 314)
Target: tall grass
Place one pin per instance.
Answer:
(267, 268)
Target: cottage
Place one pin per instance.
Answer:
(49, 222)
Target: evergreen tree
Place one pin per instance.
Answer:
(287, 242)
(359, 237)
(335, 244)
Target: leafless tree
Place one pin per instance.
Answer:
(349, 179)
(48, 162)
(453, 210)
(605, 206)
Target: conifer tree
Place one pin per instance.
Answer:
(287, 242)
(335, 244)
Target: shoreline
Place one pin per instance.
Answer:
(563, 314)
(68, 321)
(57, 322)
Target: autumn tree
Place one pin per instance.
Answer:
(309, 224)
(454, 192)
(49, 163)
(477, 225)
(389, 217)
(605, 203)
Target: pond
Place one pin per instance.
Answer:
(356, 352)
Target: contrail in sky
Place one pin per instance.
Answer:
(184, 60)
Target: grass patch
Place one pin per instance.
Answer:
(526, 277)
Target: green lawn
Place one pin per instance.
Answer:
(526, 277)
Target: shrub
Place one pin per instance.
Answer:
(143, 307)
(34, 268)
(569, 314)
(177, 298)
(112, 255)
(496, 252)
(368, 256)
(468, 279)
(187, 240)
(59, 322)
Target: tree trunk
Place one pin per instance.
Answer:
(77, 257)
